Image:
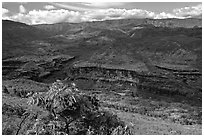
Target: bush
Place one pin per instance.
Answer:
(66, 110)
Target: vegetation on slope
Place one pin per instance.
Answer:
(64, 110)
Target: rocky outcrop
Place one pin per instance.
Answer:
(33, 67)
(145, 82)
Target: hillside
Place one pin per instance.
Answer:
(149, 70)
(61, 28)
(16, 36)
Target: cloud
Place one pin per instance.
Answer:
(108, 14)
(188, 11)
(164, 15)
(63, 15)
(74, 6)
(47, 17)
(87, 6)
(118, 14)
(49, 7)
(4, 14)
(4, 11)
(50, 16)
(22, 9)
(102, 5)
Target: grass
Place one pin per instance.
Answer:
(144, 125)
(167, 108)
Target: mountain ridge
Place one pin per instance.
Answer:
(146, 69)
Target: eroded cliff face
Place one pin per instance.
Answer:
(175, 83)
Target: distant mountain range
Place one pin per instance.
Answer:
(65, 27)
(121, 42)
(62, 28)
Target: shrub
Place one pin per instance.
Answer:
(66, 110)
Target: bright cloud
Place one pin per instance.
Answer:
(119, 14)
(4, 11)
(22, 9)
(4, 14)
(189, 11)
(164, 15)
(50, 15)
(49, 7)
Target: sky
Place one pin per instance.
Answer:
(75, 12)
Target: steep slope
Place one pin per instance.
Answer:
(16, 31)
(16, 38)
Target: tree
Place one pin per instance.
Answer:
(66, 110)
